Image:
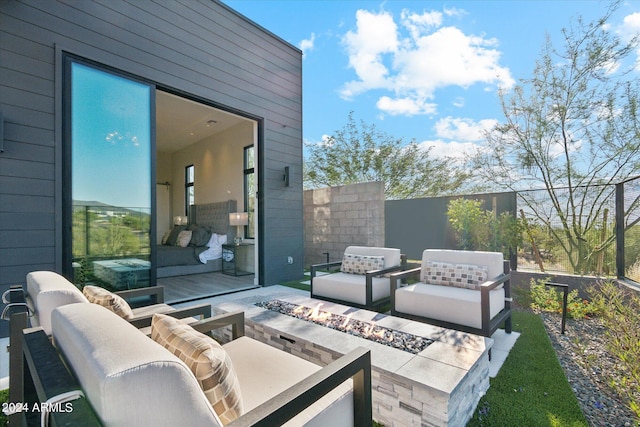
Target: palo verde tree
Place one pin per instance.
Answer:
(364, 154)
(572, 129)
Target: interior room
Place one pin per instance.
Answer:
(204, 157)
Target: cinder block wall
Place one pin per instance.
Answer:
(337, 217)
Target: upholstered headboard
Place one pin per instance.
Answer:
(215, 216)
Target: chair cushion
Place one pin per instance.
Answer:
(360, 264)
(466, 276)
(207, 360)
(350, 287)
(113, 302)
(448, 304)
(47, 290)
(129, 379)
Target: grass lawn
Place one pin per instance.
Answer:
(531, 388)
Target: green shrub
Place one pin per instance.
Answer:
(483, 230)
(549, 298)
(619, 309)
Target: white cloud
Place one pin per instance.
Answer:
(463, 129)
(450, 149)
(307, 45)
(631, 28)
(405, 106)
(418, 57)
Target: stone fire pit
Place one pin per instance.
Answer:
(439, 385)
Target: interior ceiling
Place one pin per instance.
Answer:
(181, 122)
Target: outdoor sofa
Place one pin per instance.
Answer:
(463, 290)
(362, 280)
(47, 290)
(118, 376)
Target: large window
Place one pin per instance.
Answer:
(109, 162)
(249, 191)
(189, 188)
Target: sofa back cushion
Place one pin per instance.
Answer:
(360, 264)
(391, 255)
(109, 300)
(47, 290)
(466, 276)
(129, 379)
(492, 260)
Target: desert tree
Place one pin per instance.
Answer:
(362, 153)
(572, 130)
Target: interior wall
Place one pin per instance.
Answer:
(218, 163)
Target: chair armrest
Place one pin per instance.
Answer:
(202, 310)
(51, 378)
(235, 319)
(317, 267)
(492, 284)
(403, 275)
(289, 403)
(156, 292)
(374, 273)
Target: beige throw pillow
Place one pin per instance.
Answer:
(207, 360)
(113, 302)
(184, 238)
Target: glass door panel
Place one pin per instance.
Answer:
(111, 179)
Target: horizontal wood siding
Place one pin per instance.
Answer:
(200, 48)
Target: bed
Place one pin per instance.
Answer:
(203, 252)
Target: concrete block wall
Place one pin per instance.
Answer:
(341, 216)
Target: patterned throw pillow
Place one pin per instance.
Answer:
(207, 360)
(113, 302)
(360, 264)
(466, 276)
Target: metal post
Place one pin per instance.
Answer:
(565, 297)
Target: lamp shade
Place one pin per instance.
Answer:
(180, 220)
(238, 218)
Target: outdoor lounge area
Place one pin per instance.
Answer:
(435, 377)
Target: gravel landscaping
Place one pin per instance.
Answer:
(589, 369)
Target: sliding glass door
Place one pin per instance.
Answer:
(109, 154)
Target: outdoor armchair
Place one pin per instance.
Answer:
(361, 281)
(463, 290)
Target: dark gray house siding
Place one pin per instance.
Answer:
(200, 48)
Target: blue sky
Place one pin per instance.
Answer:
(422, 70)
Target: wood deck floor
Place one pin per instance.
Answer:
(197, 286)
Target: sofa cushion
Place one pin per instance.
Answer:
(207, 360)
(265, 371)
(468, 276)
(129, 379)
(47, 290)
(111, 301)
(360, 264)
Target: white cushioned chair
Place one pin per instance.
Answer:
(463, 290)
(127, 378)
(361, 281)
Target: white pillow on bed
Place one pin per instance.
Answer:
(214, 250)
